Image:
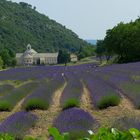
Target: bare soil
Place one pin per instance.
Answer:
(47, 117)
(107, 116)
(104, 117)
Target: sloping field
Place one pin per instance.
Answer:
(74, 99)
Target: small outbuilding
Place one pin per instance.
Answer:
(73, 58)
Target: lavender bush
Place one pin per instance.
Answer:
(6, 88)
(75, 121)
(102, 94)
(18, 124)
(72, 92)
(126, 123)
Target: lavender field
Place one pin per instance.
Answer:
(73, 98)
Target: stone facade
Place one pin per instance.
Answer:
(73, 58)
(31, 57)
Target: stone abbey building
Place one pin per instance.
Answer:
(31, 57)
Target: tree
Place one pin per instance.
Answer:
(1, 63)
(25, 5)
(63, 57)
(86, 52)
(124, 42)
(100, 50)
(8, 57)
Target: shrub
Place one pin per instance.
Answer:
(75, 121)
(6, 137)
(72, 93)
(102, 134)
(5, 106)
(125, 123)
(35, 103)
(106, 101)
(18, 124)
(71, 103)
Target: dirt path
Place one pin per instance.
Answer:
(107, 116)
(18, 106)
(46, 117)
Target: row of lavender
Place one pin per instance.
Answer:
(104, 85)
(42, 96)
(74, 120)
(37, 94)
(71, 95)
(125, 78)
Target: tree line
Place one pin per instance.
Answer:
(7, 58)
(121, 42)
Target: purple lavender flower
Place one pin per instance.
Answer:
(75, 121)
(18, 124)
(72, 92)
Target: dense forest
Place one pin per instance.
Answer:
(123, 42)
(21, 24)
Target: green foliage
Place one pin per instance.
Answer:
(36, 104)
(123, 40)
(7, 58)
(1, 63)
(6, 137)
(71, 103)
(5, 106)
(57, 136)
(102, 134)
(63, 57)
(21, 24)
(106, 101)
(86, 52)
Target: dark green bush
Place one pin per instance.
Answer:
(6, 137)
(106, 101)
(5, 106)
(35, 103)
(71, 103)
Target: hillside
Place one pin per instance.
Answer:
(21, 24)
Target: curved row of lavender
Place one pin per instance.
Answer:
(75, 121)
(33, 73)
(9, 101)
(125, 77)
(18, 124)
(41, 97)
(72, 93)
(101, 93)
(5, 89)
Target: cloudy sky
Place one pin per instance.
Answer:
(88, 18)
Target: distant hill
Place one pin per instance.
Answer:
(93, 42)
(21, 24)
